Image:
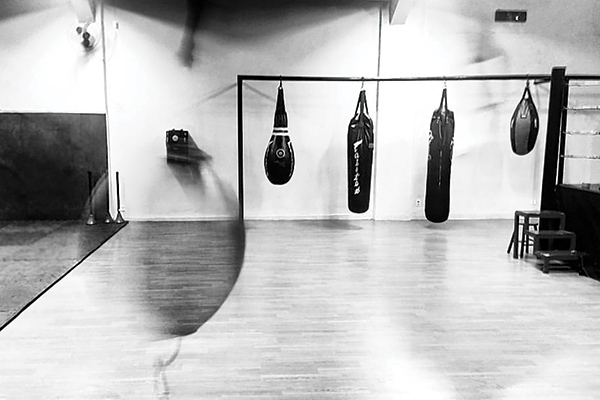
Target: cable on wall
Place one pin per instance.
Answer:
(375, 163)
(106, 112)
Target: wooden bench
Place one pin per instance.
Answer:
(560, 255)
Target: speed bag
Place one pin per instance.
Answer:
(279, 156)
(439, 163)
(360, 157)
(524, 125)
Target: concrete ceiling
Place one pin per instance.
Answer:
(398, 9)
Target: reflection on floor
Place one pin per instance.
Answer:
(35, 254)
(320, 310)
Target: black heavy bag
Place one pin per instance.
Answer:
(439, 162)
(524, 125)
(279, 157)
(360, 156)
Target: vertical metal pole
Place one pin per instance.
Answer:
(91, 219)
(563, 136)
(119, 218)
(118, 194)
(240, 125)
(555, 109)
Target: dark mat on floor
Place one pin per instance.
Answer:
(34, 255)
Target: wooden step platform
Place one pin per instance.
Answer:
(552, 237)
(559, 255)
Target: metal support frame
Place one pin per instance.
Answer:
(556, 133)
(563, 138)
(537, 78)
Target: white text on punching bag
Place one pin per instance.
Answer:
(356, 165)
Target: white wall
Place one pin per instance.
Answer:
(43, 67)
(460, 38)
(151, 91)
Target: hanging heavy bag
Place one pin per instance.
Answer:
(441, 142)
(279, 156)
(524, 125)
(360, 156)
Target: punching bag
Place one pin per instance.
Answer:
(279, 156)
(439, 162)
(524, 125)
(360, 156)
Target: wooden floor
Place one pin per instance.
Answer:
(321, 310)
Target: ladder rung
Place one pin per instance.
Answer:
(582, 132)
(580, 84)
(583, 108)
(592, 157)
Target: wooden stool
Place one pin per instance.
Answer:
(521, 219)
(545, 218)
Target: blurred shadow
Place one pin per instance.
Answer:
(96, 207)
(185, 159)
(14, 8)
(185, 281)
(229, 18)
(195, 9)
(182, 272)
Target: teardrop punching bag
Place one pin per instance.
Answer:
(360, 157)
(279, 156)
(524, 125)
(439, 162)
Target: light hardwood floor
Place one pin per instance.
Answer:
(321, 310)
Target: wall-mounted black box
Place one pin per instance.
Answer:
(519, 16)
(177, 142)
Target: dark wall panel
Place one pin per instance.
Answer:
(44, 161)
(582, 209)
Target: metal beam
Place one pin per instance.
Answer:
(85, 10)
(551, 155)
(399, 11)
